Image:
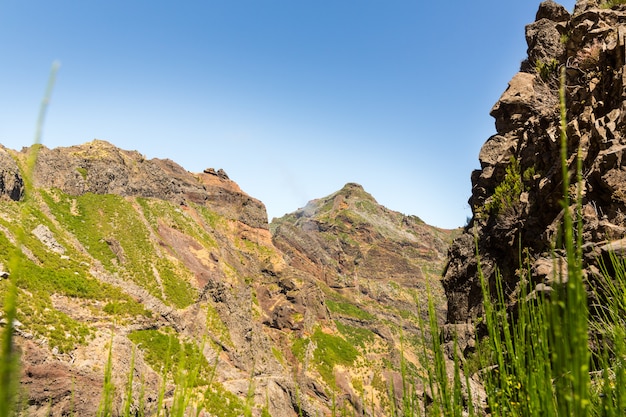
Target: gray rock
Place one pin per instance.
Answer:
(552, 11)
(11, 182)
(46, 237)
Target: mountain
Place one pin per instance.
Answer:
(517, 193)
(352, 244)
(156, 269)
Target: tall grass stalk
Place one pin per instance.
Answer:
(128, 400)
(105, 409)
(9, 359)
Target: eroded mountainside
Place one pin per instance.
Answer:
(113, 251)
(351, 243)
(517, 193)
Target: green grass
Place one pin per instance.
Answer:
(357, 336)
(110, 229)
(348, 309)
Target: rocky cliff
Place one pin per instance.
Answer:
(115, 253)
(517, 192)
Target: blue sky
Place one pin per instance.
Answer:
(292, 98)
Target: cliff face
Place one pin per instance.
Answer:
(517, 193)
(116, 251)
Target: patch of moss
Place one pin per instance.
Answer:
(126, 308)
(213, 219)
(612, 3)
(163, 350)
(299, 346)
(177, 290)
(220, 402)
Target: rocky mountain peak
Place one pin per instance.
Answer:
(346, 197)
(517, 192)
(331, 237)
(99, 167)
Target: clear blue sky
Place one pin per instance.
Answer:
(292, 98)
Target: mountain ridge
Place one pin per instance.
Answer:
(132, 251)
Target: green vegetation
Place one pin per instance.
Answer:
(507, 193)
(164, 350)
(547, 70)
(348, 309)
(611, 3)
(39, 273)
(185, 362)
(330, 351)
(82, 172)
(168, 214)
(110, 228)
(216, 326)
(221, 402)
(126, 308)
(212, 219)
(357, 336)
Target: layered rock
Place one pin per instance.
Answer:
(517, 192)
(100, 168)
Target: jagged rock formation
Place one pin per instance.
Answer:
(517, 193)
(137, 255)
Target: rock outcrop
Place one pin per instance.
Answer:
(517, 192)
(100, 168)
(11, 182)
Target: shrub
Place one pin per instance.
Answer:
(507, 193)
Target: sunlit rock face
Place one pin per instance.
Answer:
(517, 193)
